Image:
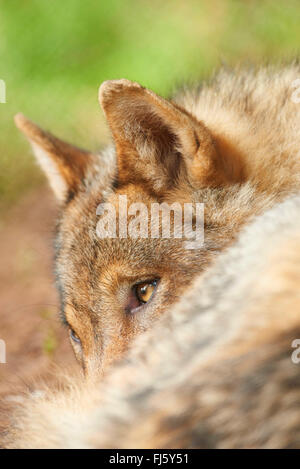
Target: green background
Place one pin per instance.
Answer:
(54, 55)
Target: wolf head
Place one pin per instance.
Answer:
(114, 287)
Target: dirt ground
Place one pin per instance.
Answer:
(29, 323)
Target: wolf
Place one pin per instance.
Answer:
(231, 144)
(216, 371)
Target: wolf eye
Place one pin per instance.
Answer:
(144, 291)
(74, 336)
(140, 294)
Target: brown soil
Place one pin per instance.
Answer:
(29, 321)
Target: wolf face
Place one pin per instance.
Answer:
(220, 359)
(114, 288)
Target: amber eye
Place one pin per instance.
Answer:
(74, 336)
(144, 291)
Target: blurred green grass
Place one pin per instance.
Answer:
(54, 55)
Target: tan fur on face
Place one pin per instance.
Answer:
(233, 145)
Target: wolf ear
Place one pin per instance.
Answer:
(64, 164)
(156, 140)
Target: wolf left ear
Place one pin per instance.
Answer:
(156, 140)
(64, 164)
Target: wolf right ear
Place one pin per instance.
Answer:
(64, 164)
(157, 141)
